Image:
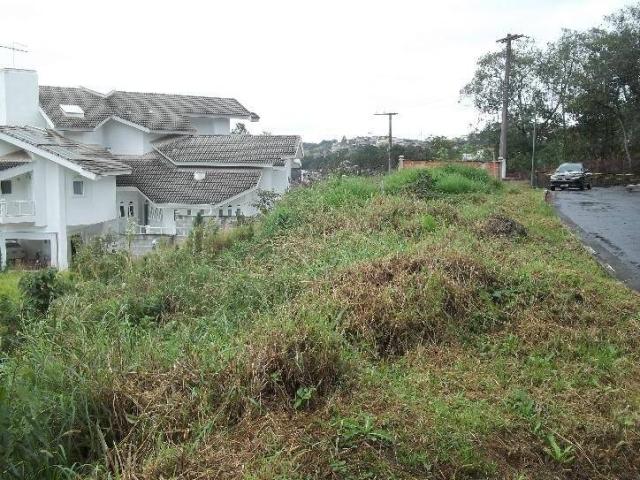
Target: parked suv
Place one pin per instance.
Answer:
(571, 175)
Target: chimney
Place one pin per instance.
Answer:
(19, 98)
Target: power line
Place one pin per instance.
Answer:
(390, 115)
(15, 49)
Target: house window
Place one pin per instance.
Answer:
(131, 209)
(238, 212)
(5, 187)
(230, 211)
(78, 187)
(220, 212)
(122, 211)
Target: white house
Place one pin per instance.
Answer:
(78, 162)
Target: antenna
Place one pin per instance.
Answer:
(15, 47)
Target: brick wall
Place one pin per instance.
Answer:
(493, 168)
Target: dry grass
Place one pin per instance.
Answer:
(399, 302)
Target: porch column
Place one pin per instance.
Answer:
(3, 252)
(63, 249)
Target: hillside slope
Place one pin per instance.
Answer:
(413, 326)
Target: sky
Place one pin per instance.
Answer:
(318, 69)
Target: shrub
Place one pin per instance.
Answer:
(9, 322)
(415, 181)
(40, 288)
(290, 362)
(97, 260)
(395, 304)
(456, 183)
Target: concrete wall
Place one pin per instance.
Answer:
(19, 98)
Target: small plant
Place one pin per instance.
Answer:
(558, 453)
(428, 223)
(303, 397)
(351, 432)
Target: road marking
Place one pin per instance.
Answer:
(590, 250)
(610, 267)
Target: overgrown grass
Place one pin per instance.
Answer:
(9, 284)
(419, 325)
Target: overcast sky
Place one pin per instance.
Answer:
(319, 69)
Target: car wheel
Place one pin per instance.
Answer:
(582, 186)
(588, 186)
(553, 188)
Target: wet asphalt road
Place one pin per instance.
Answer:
(608, 220)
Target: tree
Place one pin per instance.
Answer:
(240, 129)
(582, 91)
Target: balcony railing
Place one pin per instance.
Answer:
(16, 209)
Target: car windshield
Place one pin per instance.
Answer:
(569, 167)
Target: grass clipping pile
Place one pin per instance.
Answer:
(395, 304)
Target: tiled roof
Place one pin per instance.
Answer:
(91, 158)
(230, 149)
(155, 111)
(163, 182)
(14, 159)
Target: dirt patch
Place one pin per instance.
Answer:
(397, 303)
(498, 225)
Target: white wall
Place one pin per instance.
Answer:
(124, 197)
(20, 188)
(19, 98)
(94, 137)
(95, 205)
(276, 179)
(211, 126)
(123, 139)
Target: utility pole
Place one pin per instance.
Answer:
(505, 101)
(390, 115)
(533, 152)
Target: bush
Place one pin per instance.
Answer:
(40, 288)
(9, 322)
(97, 261)
(395, 304)
(284, 361)
(416, 181)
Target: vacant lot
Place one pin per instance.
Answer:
(413, 326)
